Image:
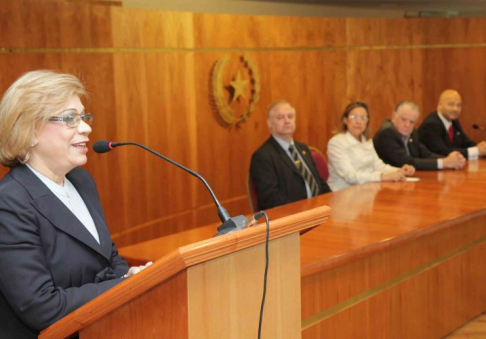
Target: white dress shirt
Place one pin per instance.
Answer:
(472, 152)
(71, 198)
(352, 162)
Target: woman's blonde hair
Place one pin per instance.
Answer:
(342, 128)
(27, 105)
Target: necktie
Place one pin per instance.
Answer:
(405, 143)
(304, 172)
(451, 134)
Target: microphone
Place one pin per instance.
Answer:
(103, 146)
(476, 126)
(228, 225)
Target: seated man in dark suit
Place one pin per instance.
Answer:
(442, 133)
(397, 143)
(282, 170)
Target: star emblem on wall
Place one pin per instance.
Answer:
(246, 80)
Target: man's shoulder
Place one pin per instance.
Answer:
(386, 131)
(265, 145)
(457, 124)
(268, 147)
(415, 134)
(386, 124)
(431, 118)
(385, 137)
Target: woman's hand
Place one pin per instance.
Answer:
(407, 170)
(135, 269)
(393, 176)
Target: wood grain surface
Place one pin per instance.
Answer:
(149, 75)
(395, 260)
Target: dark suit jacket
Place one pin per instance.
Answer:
(50, 264)
(390, 148)
(276, 179)
(434, 135)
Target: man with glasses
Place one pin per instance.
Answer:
(397, 142)
(282, 170)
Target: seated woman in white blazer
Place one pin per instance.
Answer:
(351, 156)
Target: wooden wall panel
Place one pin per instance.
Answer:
(462, 69)
(149, 75)
(457, 31)
(133, 28)
(383, 78)
(53, 25)
(266, 32)
(148, 93)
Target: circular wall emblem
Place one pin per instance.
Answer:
(245, 81)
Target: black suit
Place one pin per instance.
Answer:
(50, 264)
(391, 149)
(434, 135)
(276, 179)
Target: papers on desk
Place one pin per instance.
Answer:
(412, 179)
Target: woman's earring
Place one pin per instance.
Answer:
(24, 159)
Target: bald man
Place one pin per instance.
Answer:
(282, 170)
(442, 133)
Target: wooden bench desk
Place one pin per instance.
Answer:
(395, 260)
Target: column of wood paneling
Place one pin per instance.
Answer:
(149, 75)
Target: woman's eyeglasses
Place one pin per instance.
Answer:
(74, 119)
(356, 117)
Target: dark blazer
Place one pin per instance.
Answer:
(50, 264)
(276, 179)
(390, 148)
(434, 135)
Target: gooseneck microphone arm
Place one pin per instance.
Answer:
(229, 224)
(222, 212)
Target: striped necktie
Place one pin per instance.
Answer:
(405, 143)
(304, 172)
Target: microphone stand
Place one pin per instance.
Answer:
(228, 225)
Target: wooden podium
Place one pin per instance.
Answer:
(209, 289)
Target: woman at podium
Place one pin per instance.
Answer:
(56, 252)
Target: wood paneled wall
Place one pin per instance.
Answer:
(149, 72)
